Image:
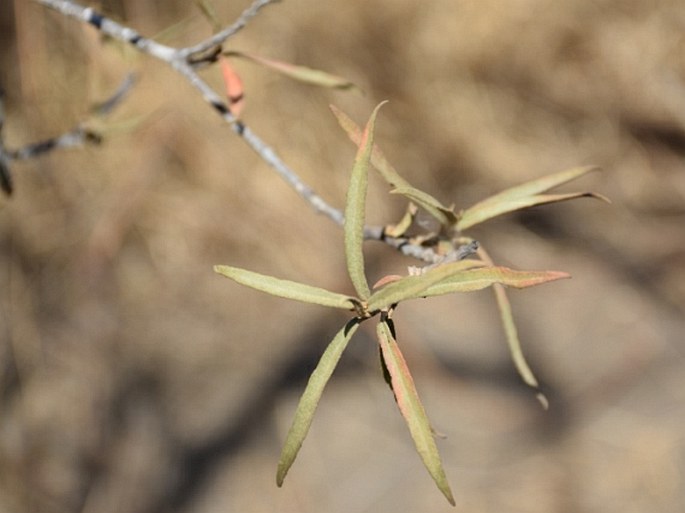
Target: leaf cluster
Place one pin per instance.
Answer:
(451, 273)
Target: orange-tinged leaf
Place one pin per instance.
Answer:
(482, 277)
(411, 287)
(299, 73)
(310, 398)
(233, 84)
(411, 408)
(378, 160)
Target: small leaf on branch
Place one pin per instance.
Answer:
(410, 406)
(355, 213)
(310, 398)
(233, 84)
(399, 229)
(299, 73)
(285, 288)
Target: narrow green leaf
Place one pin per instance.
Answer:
(445, 216)
(285, 288)
(489, 209)
(411, 287)
(411, 408)
(310, 398)
(378, 160)
(476, 279)
(542, 184)
(355, 210)
(511, 334)
(399, 229)
(299, 73)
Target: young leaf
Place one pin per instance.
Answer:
(355, 210)
(399, 229)
(310, 398)
(476, 279)
(445, 216)
(378, 160)
(299, 73)
(507, 200)
(410, 287)
(233, 85)
(411, 408)
(285, 288)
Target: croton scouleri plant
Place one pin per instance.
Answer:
(453, 272)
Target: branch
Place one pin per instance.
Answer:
(183, 61)
(77, 136)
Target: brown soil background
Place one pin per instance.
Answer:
(133, 379)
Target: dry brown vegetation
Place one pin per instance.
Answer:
(134, 379)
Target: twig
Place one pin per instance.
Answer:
(183, 60)
(77, 136)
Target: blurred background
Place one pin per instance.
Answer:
(132, 378)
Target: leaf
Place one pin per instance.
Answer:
(310, 398)
(355, 210)
(484, 211)
(410, 287)
(476, 279)
(411, 408)
(285, 288)
(445, 216)
(378, 160)
(299, 73)
(479, 212)
(233, 84)
(511, 333)
(399, 229)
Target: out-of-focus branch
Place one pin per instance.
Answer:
(77, 136)
(185, 61)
